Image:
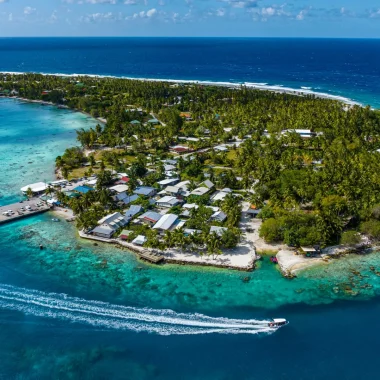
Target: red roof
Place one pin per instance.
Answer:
(124, 179)
(180, 149)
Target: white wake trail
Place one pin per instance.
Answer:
(102, 314)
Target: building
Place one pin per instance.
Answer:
(103, 231)
(125, 198)
(218, 216)
(199, 191)
(172, 190)
(168, 202)
(166, 222)
(169, 168)
(82, 189)
(115, 220)
(219, 196)
(140, 240)
(208, 184)
(119, 188)
(304, 133)
(150, 217)
(146, 191)
(168, 182)
(153, 121)
(218, 230)
(135, 122)
(124, 235)
(179, 149)
(37, 188)
(133, 211)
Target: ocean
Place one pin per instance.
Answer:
(79, 311)
(345, 68)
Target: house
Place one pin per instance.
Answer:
(183, 185)
(169, 168)
(190, 206)
(221, 148)
(166, 222)
(219, 196)
(103, 231)
(146, 191)
(82, 189)
(172, 190)
(150, 217)
(218, 216)
(124, 179)
(218, 230)
(119, 188)
(140, 240)
(304, 133)
(252, 213)
(124, 197)
(124, 235)
(168, 182)
(168, 202)
(133, 211)
(179, 149)
(153, 121)
(135, 122)
(208, 184)
(115, 220)
(199, 191)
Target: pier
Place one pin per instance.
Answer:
(15, 211)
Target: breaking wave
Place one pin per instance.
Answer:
(105, 315)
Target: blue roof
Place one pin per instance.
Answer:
(144, 190)
(83, 189)
(130, 199)
(135, 122)
(133, 210)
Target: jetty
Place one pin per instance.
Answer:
(20, 210)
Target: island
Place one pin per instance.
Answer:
(213, 175)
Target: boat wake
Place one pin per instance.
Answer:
(105, 315)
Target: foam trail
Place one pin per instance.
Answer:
(105, 315)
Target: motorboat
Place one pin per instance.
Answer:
(55, 220)
(278, 322)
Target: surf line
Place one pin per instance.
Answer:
(106, 315)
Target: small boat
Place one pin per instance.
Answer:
(278, 322)
(55, 220)
(41, 246)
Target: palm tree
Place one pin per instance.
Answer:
(29, 193)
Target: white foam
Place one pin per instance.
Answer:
(259, 86)
(102, 314)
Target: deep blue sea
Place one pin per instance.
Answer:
(79, 311)
(340, 67)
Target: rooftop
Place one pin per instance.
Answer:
(166, 222)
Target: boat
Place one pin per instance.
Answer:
(278, 322)
(55, 220)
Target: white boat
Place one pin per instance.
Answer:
(278, 322)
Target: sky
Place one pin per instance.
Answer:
(214, 18)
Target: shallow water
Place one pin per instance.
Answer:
(32, 136)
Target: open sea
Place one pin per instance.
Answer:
(79, 311)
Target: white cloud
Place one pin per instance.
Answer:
(151, 12)
(29, 10)
(10, 17)
(301, 15)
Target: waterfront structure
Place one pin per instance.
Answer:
(36, 188)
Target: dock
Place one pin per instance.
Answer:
(22, 210)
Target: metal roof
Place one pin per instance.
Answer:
(166, 222)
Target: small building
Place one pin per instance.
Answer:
(304, 133)
(115, 220)
(183, 185)
(208, 184)
(103, 231)
(82, 189)
(172, 190)
(218, 216)
(252, 213)
(135, 122)
(153, 121)
(133, 211)
(218, 230)
(37, 188)
(124, 235)
(168, 182)
(219, 196)
(169, 168)
(179, 149)
(221, 148)
(150, 217)
(166, 222)
(140, 240)
(124, 179)
(146, 191)
(199, 191)
(168, 202)
(119, 188)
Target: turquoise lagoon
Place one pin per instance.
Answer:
(32, 136)
(76, 310)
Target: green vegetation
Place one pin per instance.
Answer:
(312, 190)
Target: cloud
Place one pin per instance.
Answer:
(240, 3)
(10, 17)
(29, 10)
(100, 17)
(301, 15)
(148, 14)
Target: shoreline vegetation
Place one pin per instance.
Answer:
(264, 169)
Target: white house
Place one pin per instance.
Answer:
(166, 222)
(168, 202)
